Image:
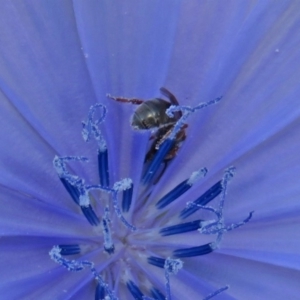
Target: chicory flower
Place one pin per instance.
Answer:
(59, 58)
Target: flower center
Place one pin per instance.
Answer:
(131, 251)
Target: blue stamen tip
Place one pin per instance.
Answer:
(173, 195)
(157, 160)
(108, 242)
(103, 167)
(90, 215)
(194, 251)
(208, 196)
(134, 290)
(100, 292)
(72, 190)
(181, 228)
(180, 189)
(157, 295)
(69, 249)
(127, 198)
(156, 261)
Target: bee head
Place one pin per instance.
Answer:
(137, 123)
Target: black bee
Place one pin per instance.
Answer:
(151, 114)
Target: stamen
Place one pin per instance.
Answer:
(108, 243)
(156, 261)
(80, 193)
(86, 208)
(121, 186)
(59, 164)
(127, 196)
(74, 193)
(157, 160)
(109, 292)
(90, 127)
(100, 292)
(75, 265)
(171, 266)
(180, 189)
(156, 294)
(181, 228)
(134, 290)
(194, 251)
(217, 292)
(71, 265)
(213, 226)
(103, 167)
(208, 196)
(69, 249)
(64, 175)
(76, 186)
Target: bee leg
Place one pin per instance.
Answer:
(126, 100)
(172, 153)
(169, 95)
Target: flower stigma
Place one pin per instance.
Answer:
(141, 259)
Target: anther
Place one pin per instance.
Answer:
(194, 251)
(90, 127)
(134, 290)
(108, 243)
(181, 228)
(100, 292)
(127, 196)
(59, 164)
(157, 160)
(121, 186)
(208, 196)
(73, 191)
(103, 167)
(156, 261)
(156, 294)
(90, 215)
(69, 249)
(180, 189)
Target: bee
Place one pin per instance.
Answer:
(151, 114)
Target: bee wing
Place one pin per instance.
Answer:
(169, 95)
(172, 99)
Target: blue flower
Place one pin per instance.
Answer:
(59, 58)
